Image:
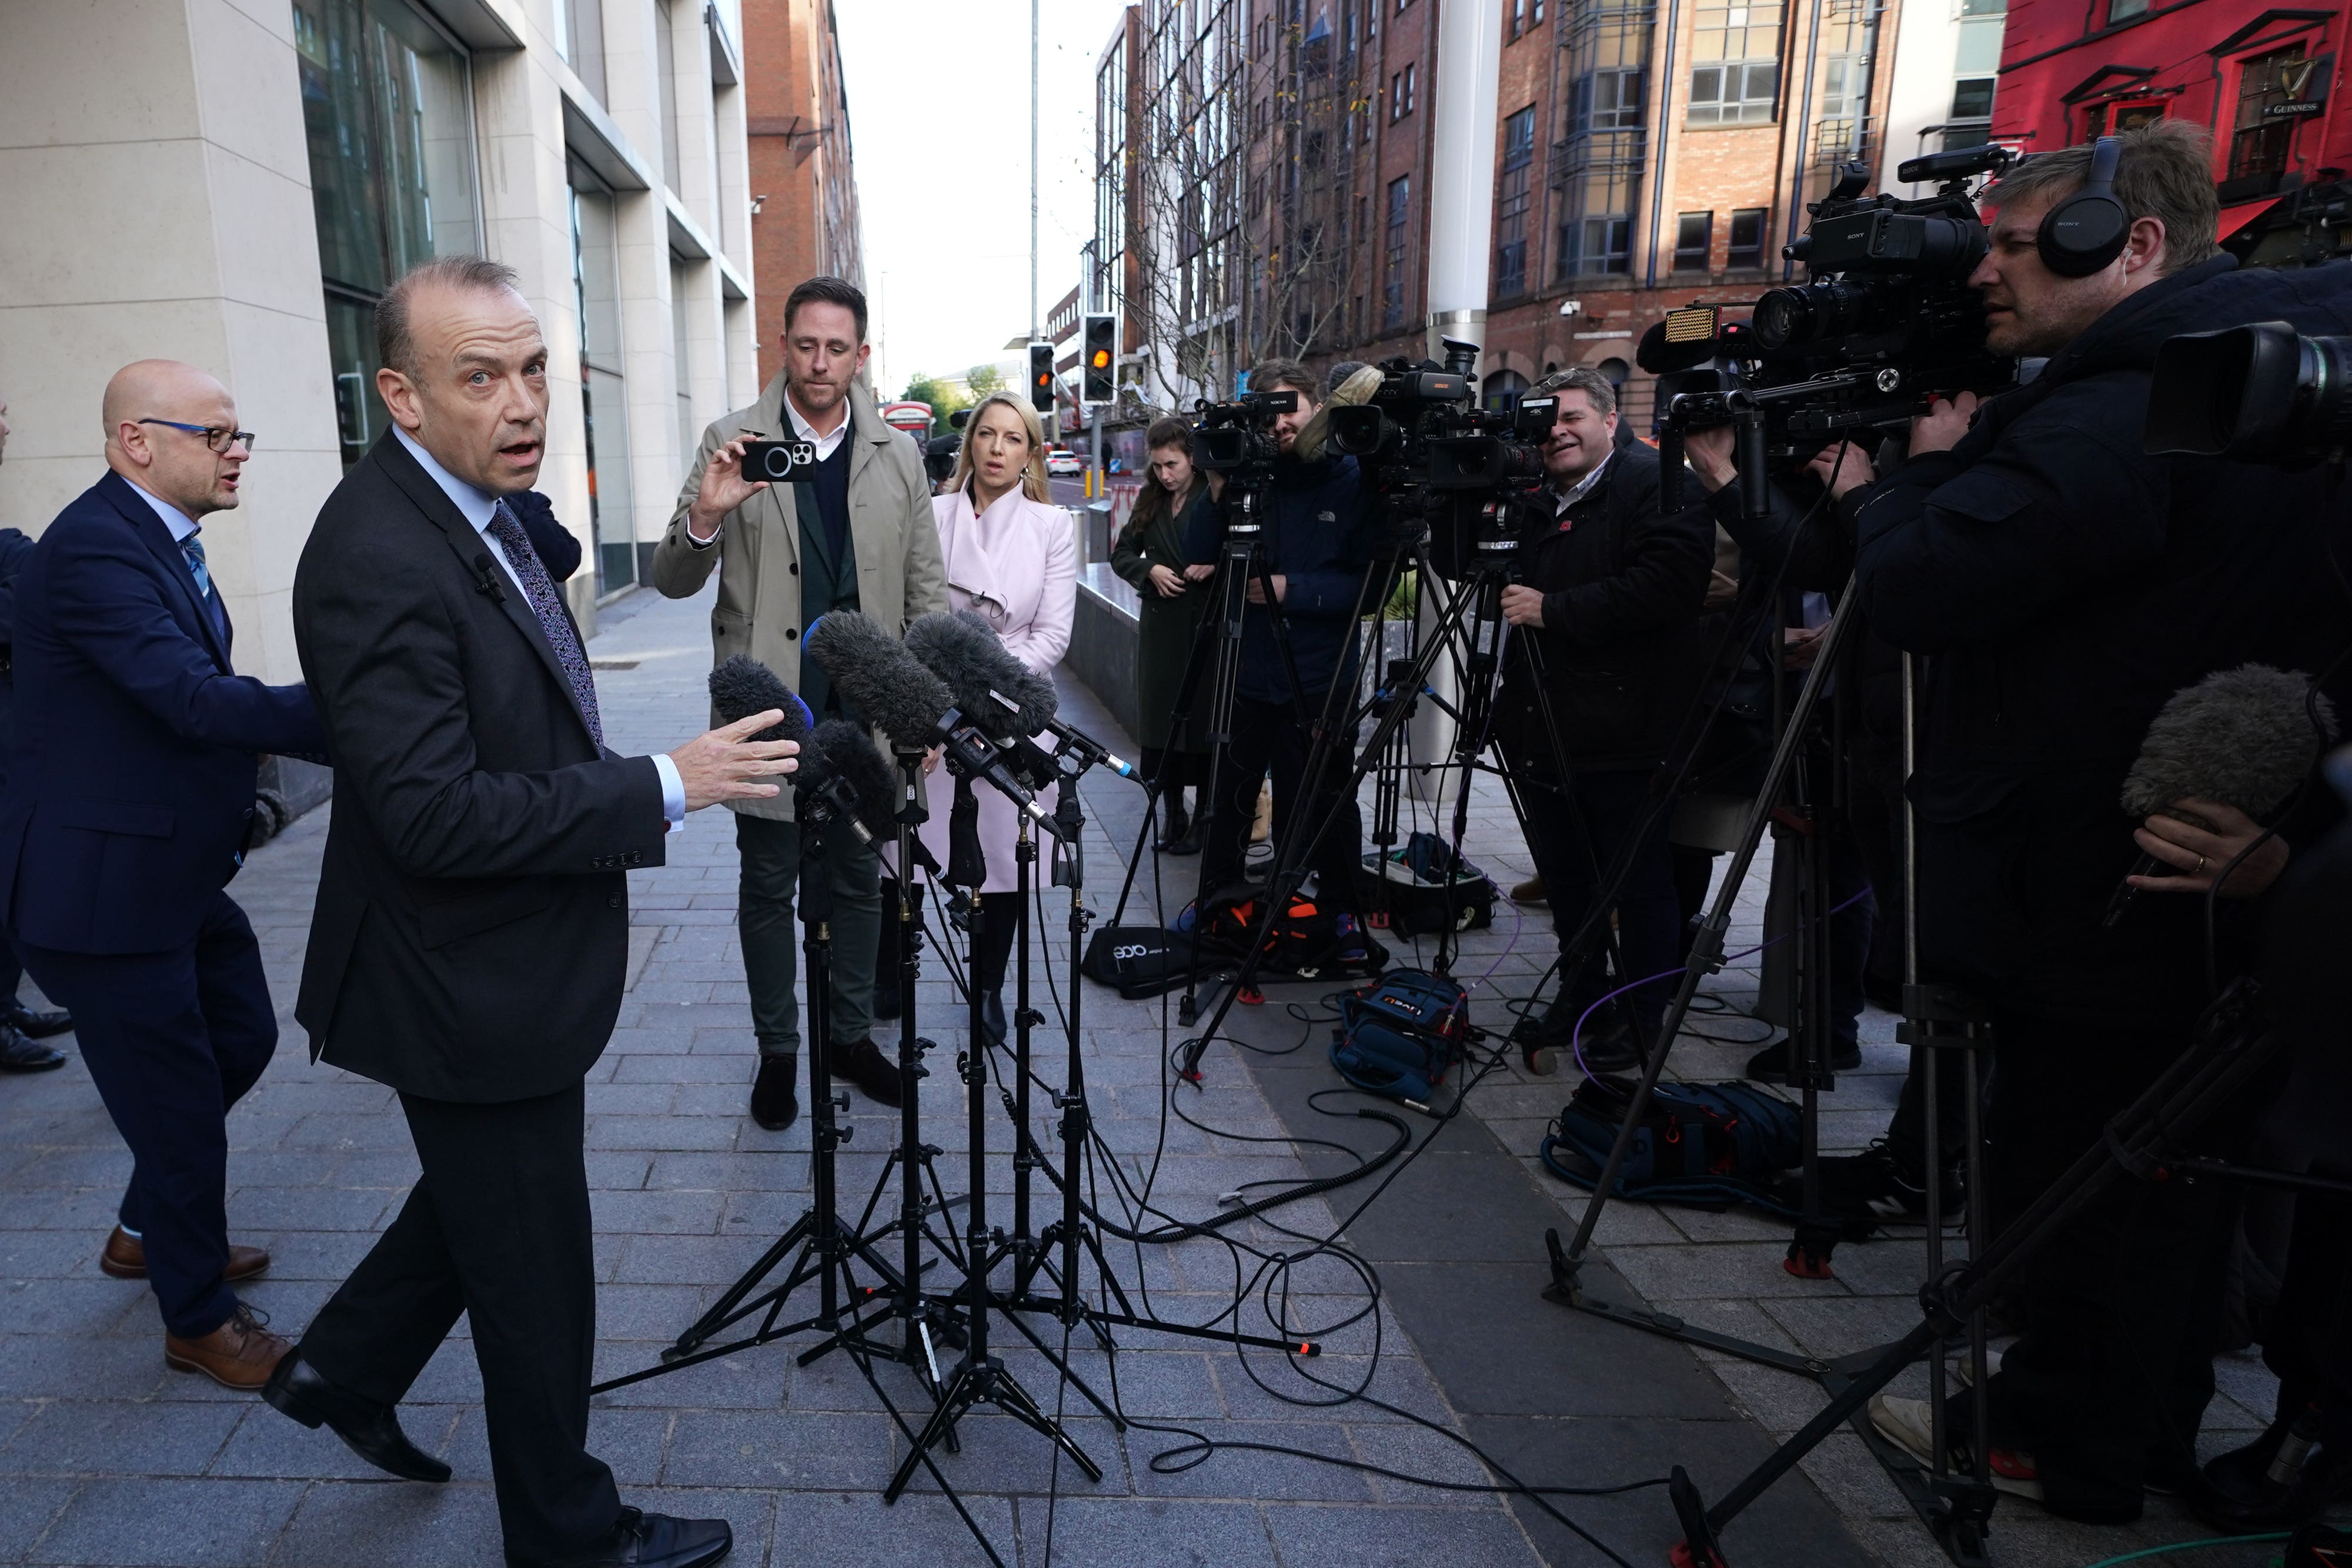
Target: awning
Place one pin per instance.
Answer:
(2244, 214)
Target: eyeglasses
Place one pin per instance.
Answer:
(218, 437)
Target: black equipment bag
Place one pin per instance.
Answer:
(1303, 942)
(1411, 886)
(1398, 1038)
(1708, 1145)
(1140, 960)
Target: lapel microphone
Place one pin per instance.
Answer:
(489, 586)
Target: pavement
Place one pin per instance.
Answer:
(108, 1457)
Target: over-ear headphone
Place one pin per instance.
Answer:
(2089, 229)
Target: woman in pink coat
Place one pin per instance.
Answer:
(1009, 555)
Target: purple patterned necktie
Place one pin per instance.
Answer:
(539, 589)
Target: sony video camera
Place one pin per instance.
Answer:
(1884, 320)
(2262, 393)
(1434, 459)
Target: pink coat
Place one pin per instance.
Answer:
(1017, 565)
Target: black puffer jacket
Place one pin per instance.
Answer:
(1620, 642)
(2065, 585)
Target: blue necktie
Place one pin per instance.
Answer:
(193, 549)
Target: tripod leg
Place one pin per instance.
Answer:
(954, 1400)
(1009, 1396)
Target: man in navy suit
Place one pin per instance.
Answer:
(22, 1029)
(131, 789)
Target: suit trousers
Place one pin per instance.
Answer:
(173, 1039)
(1607, 804)
(763, 921)
(497, 1227)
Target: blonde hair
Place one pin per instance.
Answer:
(1033, 473)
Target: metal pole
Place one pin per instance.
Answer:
(1036, 323)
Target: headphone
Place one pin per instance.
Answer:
(2089, 229)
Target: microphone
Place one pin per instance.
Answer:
(741, 686)
(2242, 736)
(489, 586)
(908, 704)
(840, 762)
(1090, 750)
(991, 687)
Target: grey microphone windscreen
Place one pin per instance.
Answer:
(964, 651)
(878, 677)
(845, 750)
(741, 686)
(2240, 736)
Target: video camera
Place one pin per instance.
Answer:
(2262, 393)
(1434, 459)
(1236, 439)
(1886, 319)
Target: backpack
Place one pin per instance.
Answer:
(1410, 886)
(1706, 1144)
(1305, 942)
(1140, 960)
(1400, 1037)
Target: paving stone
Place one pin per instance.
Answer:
(149, 1521)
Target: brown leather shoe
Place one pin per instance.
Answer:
(1528, 892)
(240, 1354)
(125, 1258)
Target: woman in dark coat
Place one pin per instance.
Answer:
(1151, 555)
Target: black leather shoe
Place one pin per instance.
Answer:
(1771, 1065)
(37, 1023)
(864, 1065)
(2321, 1480)
(992, 1017)
(369, 1429)
(1611, 1049)
(1174, 821)
(18, 1054)
(776, 1092)
(642, 1539)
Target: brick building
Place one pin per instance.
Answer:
(2267, 82)
(803, 182)
(1262, 167)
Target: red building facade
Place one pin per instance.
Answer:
(2267, 82)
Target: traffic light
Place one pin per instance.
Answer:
(1101, 355)
(1041, 376)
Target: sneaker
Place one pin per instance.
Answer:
(1905, 1423)
(1771, 1065)
(1873, 1186)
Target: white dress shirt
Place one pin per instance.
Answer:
(1582, 488)
(478, 507)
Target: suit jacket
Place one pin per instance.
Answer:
(134, 747)
(1016, 565)
(558, 550)
(13, 548)
(471, 928)
(758, 552)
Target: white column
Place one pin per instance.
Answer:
(1461, 241)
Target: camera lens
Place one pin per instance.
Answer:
(1786, 318)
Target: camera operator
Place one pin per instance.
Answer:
(1610, 597)
(2065, 585)
(1316, 544)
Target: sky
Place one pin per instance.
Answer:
(938, 116)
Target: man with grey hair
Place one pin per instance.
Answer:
(1608, 604)
(2067, 584)
(471, 930)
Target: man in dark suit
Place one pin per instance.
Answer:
(471, 927)
(22, 1029)
(131, 789)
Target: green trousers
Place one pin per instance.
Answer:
(771, 937)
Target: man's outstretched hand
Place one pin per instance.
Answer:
(722, 765)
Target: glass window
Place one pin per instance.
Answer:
(1511, 203)
(1747, 238)
(689, 439)
(580, 34)
(1596, 247)
(387, 115)
(1502, 389)
(1606, 100)
(2125, 10)
(1973, 98)
(1736, 76)
(1694, 234)
(1392, 286)
(666, 83)
(2259, 137)
(604, 397)
(1978, 53)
